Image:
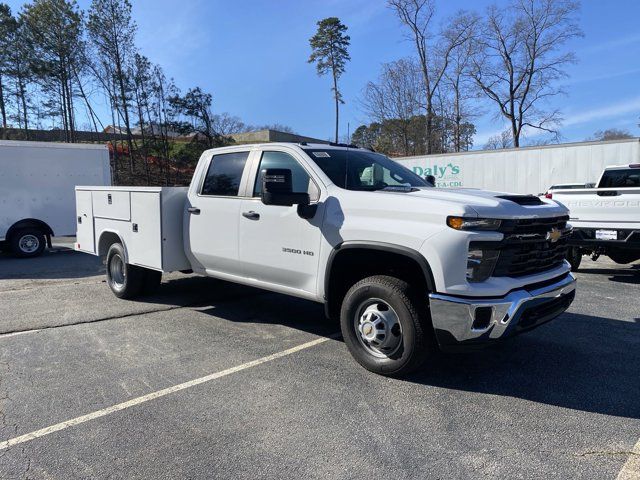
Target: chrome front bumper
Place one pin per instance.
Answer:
(459, 321)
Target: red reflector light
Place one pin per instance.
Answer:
(548, 195)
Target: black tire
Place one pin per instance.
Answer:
(574, 257)
(622, 257)
(416, 334)
(124, 280)
(28, 243)
(151, 282)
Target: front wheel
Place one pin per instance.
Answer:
(125, 280)
(385, 326)
(574, 256)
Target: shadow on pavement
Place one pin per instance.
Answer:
(195, 290)
(580, 362)
(273, 308)
(57, 264)
(624, 274)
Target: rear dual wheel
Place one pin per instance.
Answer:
(129, 281)
(385, 325)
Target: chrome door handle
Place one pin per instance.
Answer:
(251, 215)
(194, 210)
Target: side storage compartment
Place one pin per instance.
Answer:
(145, 247)
(113, 204)
(85, 234)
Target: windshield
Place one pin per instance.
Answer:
(363, 170)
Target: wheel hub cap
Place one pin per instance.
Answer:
(378, 328)
(29, 243)
(116, 269)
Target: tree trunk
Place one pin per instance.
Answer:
(70, 113)
(3, 108)
(114, 146)
(429, 125)
(125, 110)
(337, 99)
(23, 100)
(457, 140)
(515, 133)
(84, 97)
(144, 142)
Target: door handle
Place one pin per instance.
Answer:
(194, 210)
(251, 215)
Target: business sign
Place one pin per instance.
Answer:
(449, 175)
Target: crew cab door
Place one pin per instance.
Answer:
(212, 219)
(277, 245)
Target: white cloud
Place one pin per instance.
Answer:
(613, 111)
(612, 44)
(602, 76)
(630, 105)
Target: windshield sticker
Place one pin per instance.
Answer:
(320, 154)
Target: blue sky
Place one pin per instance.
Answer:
(251, 55)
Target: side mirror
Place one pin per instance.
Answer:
(277, 189)
(431, 179)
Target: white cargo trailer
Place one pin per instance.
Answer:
(37, 183)
(530, 170)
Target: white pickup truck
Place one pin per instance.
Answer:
(406, 267)
(605, 219)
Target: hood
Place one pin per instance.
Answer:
(489, 204)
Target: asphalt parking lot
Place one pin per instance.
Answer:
(211, 380)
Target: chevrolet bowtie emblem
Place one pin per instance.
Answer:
(554, 235)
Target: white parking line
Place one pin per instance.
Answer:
(7, 335)
(631, 468)
(160, 393)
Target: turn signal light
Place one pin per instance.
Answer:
(462, 223)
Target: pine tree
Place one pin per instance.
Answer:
(329, 52)
(54, 32)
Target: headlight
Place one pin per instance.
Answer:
(461, 223)
(480, 264)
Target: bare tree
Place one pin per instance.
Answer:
(520, 60)
(225, 124)
(461, 89)
(499, 141)
(434, 51)
(396, 98)
(112, 31)
(611, 134)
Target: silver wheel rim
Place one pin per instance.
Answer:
(116, 271)
(378, 328)
(29, 243)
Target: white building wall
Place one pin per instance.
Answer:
(526, 170)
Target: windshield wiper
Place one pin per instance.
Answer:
(398, 188)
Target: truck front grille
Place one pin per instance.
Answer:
(528, 247)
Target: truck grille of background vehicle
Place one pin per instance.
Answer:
(526, 250)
